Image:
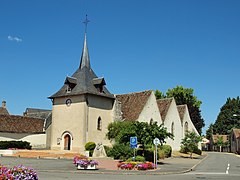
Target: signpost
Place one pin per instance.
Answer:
(156, 142)
(133, 144)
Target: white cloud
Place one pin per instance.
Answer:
(17, 39)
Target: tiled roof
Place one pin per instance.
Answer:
(3, 111)
(236, 133)
(20, 124)
(181, 111)
(163, 106)
(224, 137)
(133, 104)
(37, 113)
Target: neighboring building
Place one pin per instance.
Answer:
(3, 109)
(235, 141)
(214, 145)
(23, 128)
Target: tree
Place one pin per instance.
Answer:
(190, 142)
(159, 94)
(185, 96)
(220, 143)
(228, 118)
(145, 132)
(209, 131)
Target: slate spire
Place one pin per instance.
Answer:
(85, 60)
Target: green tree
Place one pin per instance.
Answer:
(145, 132)
(228, 117)
(190, 142)
(159, 94)
(186, 96)
(209, 131)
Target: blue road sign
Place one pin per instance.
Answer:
(133, 146)
(133, 142)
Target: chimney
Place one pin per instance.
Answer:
(4, 104)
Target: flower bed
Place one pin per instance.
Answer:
(82, 162)
(17, 172)
(136, 166)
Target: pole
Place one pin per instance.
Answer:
(134, 154)
(156, 155)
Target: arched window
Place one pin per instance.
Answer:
(99, 124)
(172, 128)
(186, 127)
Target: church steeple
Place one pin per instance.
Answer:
(85, 60)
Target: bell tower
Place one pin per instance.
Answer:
(78, 105)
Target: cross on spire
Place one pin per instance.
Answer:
(86, 21)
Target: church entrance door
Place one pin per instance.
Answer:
(67, 142)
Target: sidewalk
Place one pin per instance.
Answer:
(171, 165)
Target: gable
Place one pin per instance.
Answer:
(163, 106)
(132, 104)
(181, 111)
(20, 124)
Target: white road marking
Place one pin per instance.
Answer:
(228, 169)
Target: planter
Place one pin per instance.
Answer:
(89, 166)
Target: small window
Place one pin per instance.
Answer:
(186, 127)
(172, 128)
(68, 89)
(99, 124)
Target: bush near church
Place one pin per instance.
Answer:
(90, 146)
(167, 150)
(15, 145)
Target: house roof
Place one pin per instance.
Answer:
(83, 79)
(181, 111)
(163, 106)
(132, 104)
(236, 132)
(215, 138)
(37, 113)
(20, 124)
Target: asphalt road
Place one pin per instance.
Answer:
(219, 166)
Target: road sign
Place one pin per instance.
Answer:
(133, 146)
(156, 141)
(133, 140)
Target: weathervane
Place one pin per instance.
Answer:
(86, 23)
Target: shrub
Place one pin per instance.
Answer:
(107, 150)
(15, 145)
(137, 159)
(183, 149)
(197, 151)
(167, 149)
(90, 146)
(186, 150)
(148, 154)
(121, 151)
(161, 154)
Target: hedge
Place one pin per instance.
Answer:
(15, 145)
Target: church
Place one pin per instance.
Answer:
(83, 108)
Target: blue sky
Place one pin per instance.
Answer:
(136, 45)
